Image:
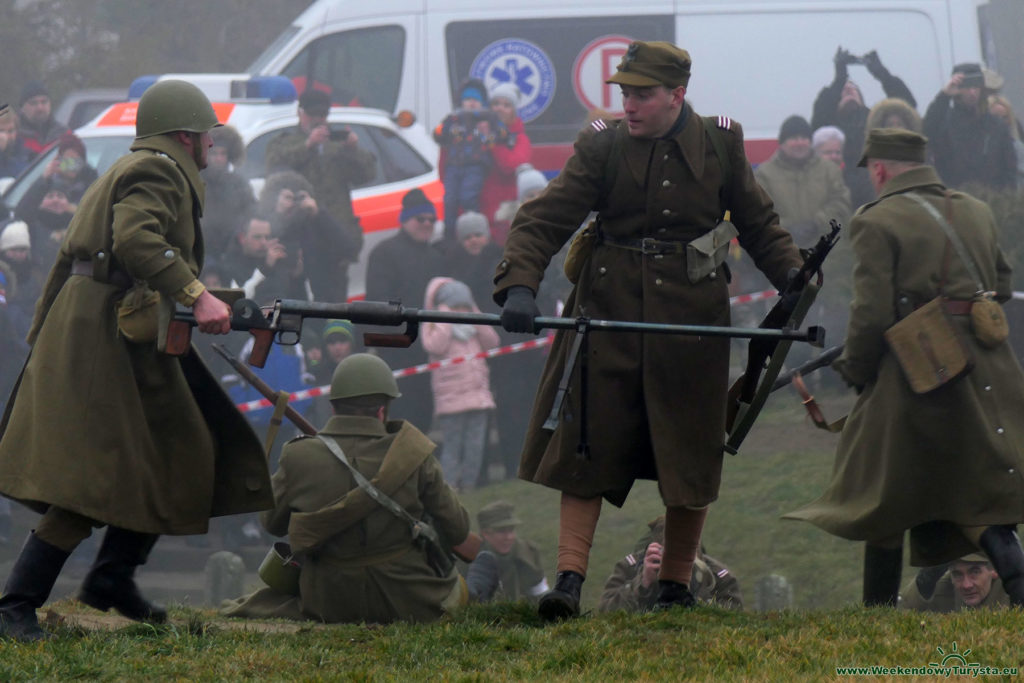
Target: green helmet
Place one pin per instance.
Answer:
(167, 106)
(363, 374)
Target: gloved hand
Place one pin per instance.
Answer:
(842, 59)
(520, 310)
(483, 576)
(874, 64)
(927, 578)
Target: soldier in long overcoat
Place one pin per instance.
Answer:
(659, 181)
(102, 428)
(947, 465)
(359, 560)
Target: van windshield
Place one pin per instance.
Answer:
(358, 68)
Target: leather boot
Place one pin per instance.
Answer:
(111, 582)
(671, 594)
(882, 570)
(562, 601)
(483, 576)
(27, 588)
(1002, 546)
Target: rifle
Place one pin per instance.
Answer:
(748, 394)
(822, 361)
(283, 322)
(466, 551)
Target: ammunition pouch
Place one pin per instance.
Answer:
(138, 314)
(706, 253)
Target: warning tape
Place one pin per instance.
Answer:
(313, 392)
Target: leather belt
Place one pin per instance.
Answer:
(115, 277)
(958, 306)
(645, 245)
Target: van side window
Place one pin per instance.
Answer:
(360, 68)
(397, 158)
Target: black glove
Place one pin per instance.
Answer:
(874, 65)
(927, 578)
(842, 59)
(520, 310)
(483, 576)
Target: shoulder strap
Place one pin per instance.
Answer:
(711, 125)
(611, 165)
(957, 243)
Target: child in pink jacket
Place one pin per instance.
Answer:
(462, 391)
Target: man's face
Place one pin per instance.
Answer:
(36, 109)
(972, 581)
(54, 201)
(474, 244)
(651, 111)
(831, 150)
(339, 349)
(850, 97)
(217, 158)
(308, 122)
(421, 227)
(968, 97)
(255, 240)
(797, 148)
(502, 539)
(8, 132)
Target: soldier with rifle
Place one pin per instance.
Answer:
(662, 179)
(103, 429)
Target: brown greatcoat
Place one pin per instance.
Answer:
(359, 563)
(656, 403)
(111, 429)
(927, 462)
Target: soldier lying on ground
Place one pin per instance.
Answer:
(968, 583)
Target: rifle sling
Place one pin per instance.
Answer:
(814, 410)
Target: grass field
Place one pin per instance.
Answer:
(785, 463)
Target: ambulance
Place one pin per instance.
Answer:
(260, 109)
(757, 61)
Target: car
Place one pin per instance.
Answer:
(406, 154)
(81, 106)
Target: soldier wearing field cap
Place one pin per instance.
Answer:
(661, 178)
(973, 427)
(968, 583)
(521, 572)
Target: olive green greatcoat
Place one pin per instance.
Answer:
(927, 462)
(359, 563)
(656, 403)
(114, 430)
(945, 599)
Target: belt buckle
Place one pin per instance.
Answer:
(648, 245)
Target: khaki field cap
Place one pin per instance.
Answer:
(650, 64)
(893, 144)
(497, 515)
(363, 374)
(975, 558)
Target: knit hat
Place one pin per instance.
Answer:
(472, 89)
(469, 224)
(70, 141)
(343, 330)
(315, 102)
(506, 91)
(528, 178)
(30, 90)
(453, 293)
(15, 236)
(793, 127)
(497, 515)
(893, 144)
(414, 203)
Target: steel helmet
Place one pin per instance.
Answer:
(172, 105)
(363, 374)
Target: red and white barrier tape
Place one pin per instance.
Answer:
(537, 343)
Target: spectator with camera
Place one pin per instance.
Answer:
(969, 143)
(841, 104)
(259, 263)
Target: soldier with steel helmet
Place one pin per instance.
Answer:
(359, 560)
(103, 429)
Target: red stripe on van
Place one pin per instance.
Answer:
(380, 212)
(124, 113)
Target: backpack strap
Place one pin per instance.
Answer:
(713, 126)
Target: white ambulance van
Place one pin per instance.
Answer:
(757, 61)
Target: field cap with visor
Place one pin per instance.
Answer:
(893, 144)
(647, 65)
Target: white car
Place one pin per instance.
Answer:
(406, 156)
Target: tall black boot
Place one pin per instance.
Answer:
(111, 582)
(672, 594)
(1002, 546)
(27, 588)
(562, 601)
(882, 570)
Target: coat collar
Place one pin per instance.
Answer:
(165, 145)
(689, 139)
(355, 425)
(919, 176)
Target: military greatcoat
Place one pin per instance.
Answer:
(929, 462)
(111, 429)
(656, 403)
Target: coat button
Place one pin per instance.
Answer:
(988, 387)
(665, 158)
(713, 274)
(658, 281)
(602, 270)
(100, 255)
(665, 183)
(999, 430)
(666, 212)
(1010, 470)
(169, 254)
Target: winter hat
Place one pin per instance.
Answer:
(793, 127)
(506, 91)
(528, 178)
(472, 88)
(315, 102)
(30, 90)
(469, 224)
(70, 141)
(15, 236)
(340, 329)
(414, 203)
(827, 134)
(973, 75)
(453, 293)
